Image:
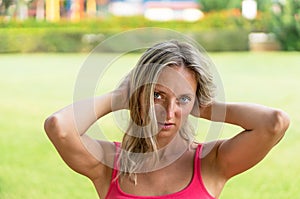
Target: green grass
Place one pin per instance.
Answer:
(33, 86)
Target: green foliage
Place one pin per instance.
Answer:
(213, 5)
(215, 31)
(41, 40)
(223, 40)
(286, 24)
(264, 5)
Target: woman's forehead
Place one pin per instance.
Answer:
(178, 80)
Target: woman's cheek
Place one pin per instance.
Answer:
(185, 111)
(160, 112)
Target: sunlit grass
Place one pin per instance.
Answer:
(34, 86)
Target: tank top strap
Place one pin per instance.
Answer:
(197, 158)
(198, 181)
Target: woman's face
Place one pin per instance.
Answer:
(174, 97)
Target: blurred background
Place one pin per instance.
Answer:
(79, 25)
(44, 44)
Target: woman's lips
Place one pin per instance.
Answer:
(166, 125)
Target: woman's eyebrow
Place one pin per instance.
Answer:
(187, 95)
(159, 91)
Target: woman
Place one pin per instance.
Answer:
(158, 156)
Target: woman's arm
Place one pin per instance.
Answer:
(66, 129)
(263, 128)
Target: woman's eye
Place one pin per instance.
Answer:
(184, 100)
(157, 95)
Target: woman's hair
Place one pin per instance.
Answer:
(139, 145)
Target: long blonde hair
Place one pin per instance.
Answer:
(139, 145)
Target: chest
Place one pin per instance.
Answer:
(168, 180)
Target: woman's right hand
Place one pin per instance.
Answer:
(121, 95)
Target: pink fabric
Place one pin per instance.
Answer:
(195, 190)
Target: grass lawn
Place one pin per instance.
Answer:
(34, 86)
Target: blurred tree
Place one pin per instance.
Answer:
(4, 5)
(215, 5)
(264, 5)
(286, 23)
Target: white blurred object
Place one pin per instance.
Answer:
(260, 37)
(260, 41)
(249, 9)
(172, 10)
(159, 14)
(192, 14)
(126, 8)
(22, 10)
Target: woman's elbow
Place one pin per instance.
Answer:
(52, 127)
(280, 123)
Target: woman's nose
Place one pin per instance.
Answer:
(171, 109)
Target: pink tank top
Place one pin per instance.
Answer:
(195, 189)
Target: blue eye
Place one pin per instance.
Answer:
(184, 100)
(157, 95)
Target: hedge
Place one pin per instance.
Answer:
(28, 40)
(218, 31)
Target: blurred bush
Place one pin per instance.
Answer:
(213, 5)
(222, 40)
(286, 24)
(217, 31)
(27, 40)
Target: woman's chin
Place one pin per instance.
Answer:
(163, 133)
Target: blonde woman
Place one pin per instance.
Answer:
(158, 157)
